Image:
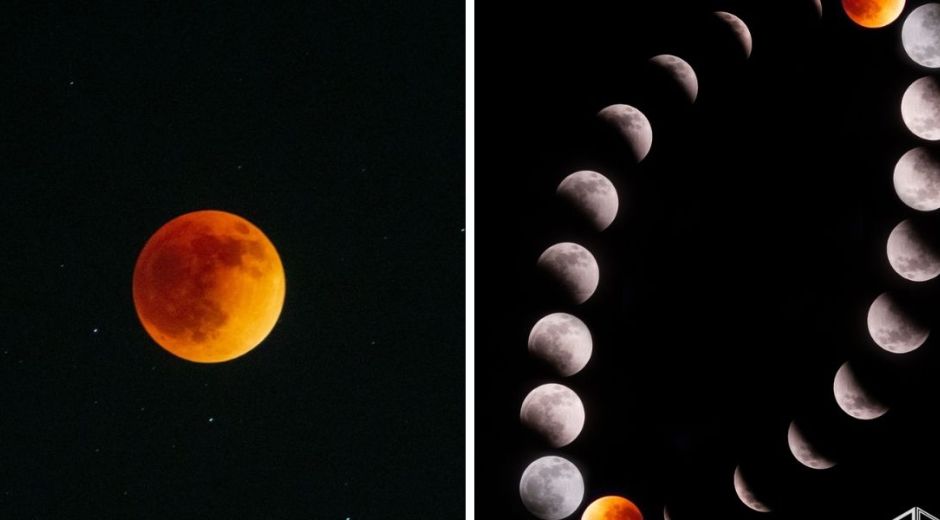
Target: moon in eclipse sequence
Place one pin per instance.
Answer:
(555, 412)
(208, 286)
(912, 253)
(892, 328)
(563, 341)
(592, 196)
(681, 72)
(573, 268)
(920, 35)
(917, 179)
(873, 14)
(633, 127)
(852, 398)
(804, 452)
(745, 494)
(818, 4)
(741, 32)
(920, 108)
(612, 508)
(551, 488)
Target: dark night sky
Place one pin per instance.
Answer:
(335, 127)
(738, 274)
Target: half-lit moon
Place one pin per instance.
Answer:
(852, 398)
(551, 488)
(873, 14)
(741, 32)
(572, 268)
(681, 72)
(804, 451)
(893, 328)
(911, 253)
(917, 179)
(920, 35)
(562, 341)
(612, 508)
(554, 412)
(920, 108)
(591, 196)
(632, 126)
(745, 494)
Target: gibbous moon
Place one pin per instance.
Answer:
(873, 13)
(573, 268)
(892, 328)
(551, 488)
(911, 254)
(920, 35)
(745, 494)
(741, 32)
(681, 72)
(554, 412)
(592, 196)
(563, 341)
(208, 286)
(804, 452)
(853, 399)
(633, 127)
(917, 179)
(612, 508)
(920, 108)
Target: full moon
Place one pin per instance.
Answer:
(633, 127)
(573, 268)
(745, 494)
(852, 398)
(208, 286)
(680, 71)
(920, 108)
(920, 35)
(592, 196)
(741, 32)
(892, 328)
(612, 508)
(563, 341)
(804, 452)
(554, 412)
(917, 179)
(551, 488)
(873, 13)
(912, 254)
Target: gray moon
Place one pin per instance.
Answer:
(853, 399)
(818, 7)
(920, 108)
(592, 196)
(911, 255)
(746, 495)
(681, 72)
(740, 29)
(551, 488)
(666, 513)
(917, 179)
(554, 412)
(633, 127)
(804, 452)
(920, 35)
(573, 268)
(563, 341)
(892, 328)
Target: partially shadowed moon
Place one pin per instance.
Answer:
(818, 4)
(917, 179)
(911, 253)
(804, 452)
(666, 513)
(633, 126)
(920, 35)
(554, 412)
(741, 32)
(592, 196)
(562, 341)
(892, 327)
(920, 108)
(612, 508)
(551, 488)
(573, 268)
(745, 494)
(681, 72)
(873, 14)
(852, 398)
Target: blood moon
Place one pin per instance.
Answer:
(873, 13)
(208, 286)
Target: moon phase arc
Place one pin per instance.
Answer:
(745, 494)
(554, 412)
(852, 398)
(920, 35)
(741, 32)
(873, 14)
(208, 286)
(917, 179)
(920, 108)
(892, 327)
(562, 341)
(632, 126)
(551, 488)
(681, 72)
(572, 268)
(804, 452)
(911, 253)
(591, 196)
(612, 508)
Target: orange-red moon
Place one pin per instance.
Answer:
(208, 286)
(873, 13)
(612, 508)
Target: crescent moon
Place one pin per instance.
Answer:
(852, 398)
(681, 72)
(892, 328)
(917, 179)
(911, 253)
(741, 32)
(804, 452)
(745, 494)
(592, 196)
(633, 127)
(573, 268)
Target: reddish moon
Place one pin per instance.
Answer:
(208, 286)
(612, 508)
(873, 13)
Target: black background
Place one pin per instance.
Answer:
(737, 276)
(335, 127)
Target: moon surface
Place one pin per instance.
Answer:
(745, 494)
(873, 14)
(818, 4)
(804, 452)
(633, 127)
(592, 196)
(681, 72)
(563, 341)
(612, 508)
(917, 179)
(920, 35)
(852, 398)
(573, 268)
(892, 328)
(911, 253)
(208, 286)
(551, 488)
(554, 412)
(741, 32)
(920, 108)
